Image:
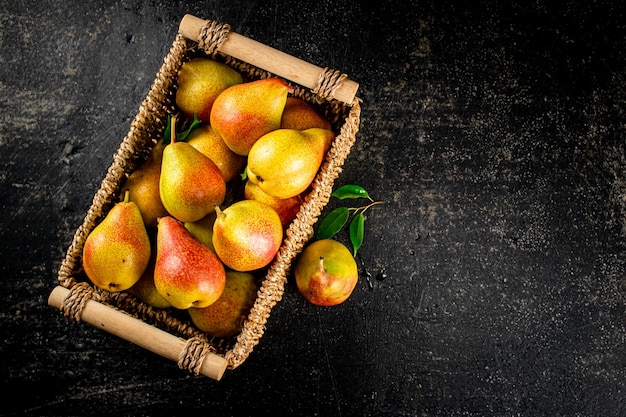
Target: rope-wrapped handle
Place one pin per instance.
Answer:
(214, 37)
(193, 354)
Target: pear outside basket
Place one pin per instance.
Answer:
(165, 331)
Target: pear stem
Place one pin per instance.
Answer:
(126, 196)
(218, 211)
(173, 130)
(321, 264)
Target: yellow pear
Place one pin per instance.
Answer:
(247, 235)
(190, 183)
(225, 317)
(284, 162)
(286, 208)
(143, 186)
(200, 81)
(243, 113)
(202, 230)
(326, 272)
(206, 139)
(117, 251)
(145, 290)
(299, 114)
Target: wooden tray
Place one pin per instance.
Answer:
(165, 331)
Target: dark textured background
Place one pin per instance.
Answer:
(493, 133)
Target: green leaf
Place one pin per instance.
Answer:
(357, 229)
(350, 191)
(333, 222)
(167, 135)
(182, 136)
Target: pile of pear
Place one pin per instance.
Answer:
(174, 239)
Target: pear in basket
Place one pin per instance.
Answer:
(225, 317)
(117, 250)
(206, 139)
(145, 290)
(286, 208)
(187, 273)
(190, 183)
(243, 113)
(247, 235)
(299, 114)
(143, 186)
(200, 81)
(202, 229)
(284, 162)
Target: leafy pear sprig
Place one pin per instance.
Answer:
(334, 221)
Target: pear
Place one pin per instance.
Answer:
(284, 162)
(286, 208)
(326, 273)
(300, 115)
(202, 230)
(117, 250)
(143, 186)
(200, 81)
(190, 183)
(186, 273)
(225, 317)
(247, 235)
(243, 113)
(145, 290)
(206, 139)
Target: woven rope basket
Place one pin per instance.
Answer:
(145, 130)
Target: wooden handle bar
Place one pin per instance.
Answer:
(138, 332)
(269, 59)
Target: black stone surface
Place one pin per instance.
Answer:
(493, 132)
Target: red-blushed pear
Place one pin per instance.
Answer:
(225, 317)
(200, 81)
(206, 139)
(326, 273)
(284, 162)
(247, 235)
(286, 208)
(300, 115)
(190, 183)
(243, 113)
(117, 250)
(186, 273)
